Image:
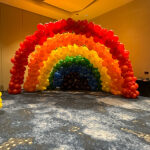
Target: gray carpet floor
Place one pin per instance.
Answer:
(57, 120)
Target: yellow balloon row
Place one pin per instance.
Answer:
(1, 100)
(74, 50)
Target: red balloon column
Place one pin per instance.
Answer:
(103, 36)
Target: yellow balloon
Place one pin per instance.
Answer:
(1, 105)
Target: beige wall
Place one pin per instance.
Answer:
(131, 23)
(15, 25)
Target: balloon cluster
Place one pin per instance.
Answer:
(60, 79)
(124, 77)
(41, 54)
(1, 105)
(61, 53)
(76, 64)
(73, 81)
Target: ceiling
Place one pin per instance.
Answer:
(70, 5)
(76, 9)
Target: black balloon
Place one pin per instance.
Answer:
(73, 81)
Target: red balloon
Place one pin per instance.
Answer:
(115, 38)
(11, 85)
(129, 74)
(137, 93)
(133, 87)
(15, 91)
(136, 85)
(88, 34)
(21, 81)
(17, 86)
(124, 91)
(134, 78)
(124, 68)
(96, 39)
(110, 34)
(12, 71)
(134, 96)
(40, 26)
(126, 54)
(128, 79)
(13, 60)
(9, 91)
(121, 47)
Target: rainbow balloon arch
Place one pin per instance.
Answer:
(72, 55)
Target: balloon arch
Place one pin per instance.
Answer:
(65, 50)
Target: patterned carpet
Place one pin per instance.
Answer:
(74, 121)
